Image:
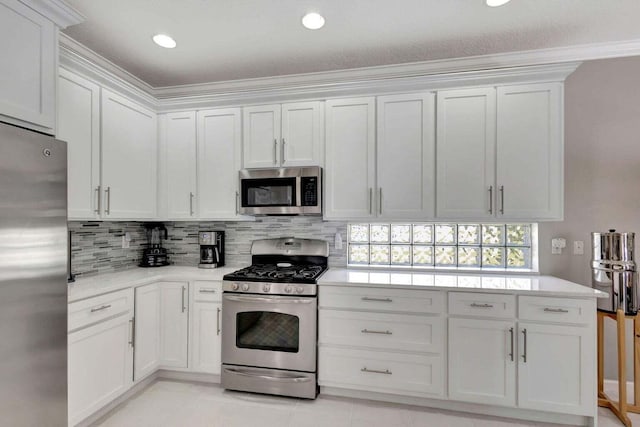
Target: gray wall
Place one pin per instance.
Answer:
(602, 170)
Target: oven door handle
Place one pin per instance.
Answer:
(269, 377)
(273, 300)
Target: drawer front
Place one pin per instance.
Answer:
(382, 331)
(381, 299)
(207, 291)
(385, 372)
(482, 305)
(557, 310)
(92, 310)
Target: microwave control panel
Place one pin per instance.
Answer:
(309, 191)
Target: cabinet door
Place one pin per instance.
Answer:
(556, 368)
(100, 366)
(406, 156)
(530, 151)
(261, 136)
(481, 361)
(301, 134)
(219, 160)
(178, 164)
(350, 158)
(174, 323)
(29, 59)
(79, 126)
(206, 343)
(465, 146)
(147, 326)
(129, 157)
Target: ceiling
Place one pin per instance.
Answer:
(221, 40)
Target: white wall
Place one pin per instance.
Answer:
(602, 170)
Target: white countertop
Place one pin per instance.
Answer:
(109, 282)
(477, 282)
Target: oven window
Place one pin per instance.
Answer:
(267, 330)
(269, 192)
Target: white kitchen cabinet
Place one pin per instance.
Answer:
(530, 151)
(100, 352)
(349, 159)
(147, 330)
(465, 146)
(482, 367)
(219, 161)
(556, 368)
(206, 315)
(261, 134)
(129, 158)
(406, 156)
(178, 164)
(174, 323)
(79, 126)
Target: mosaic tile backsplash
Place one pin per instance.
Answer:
(97, 245)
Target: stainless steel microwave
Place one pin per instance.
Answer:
(284, 191)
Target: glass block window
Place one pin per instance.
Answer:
(442, 245)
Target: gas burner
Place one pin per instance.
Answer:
(274, 273)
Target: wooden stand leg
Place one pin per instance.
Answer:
(636, 363)
(622, 365)
(600, 323)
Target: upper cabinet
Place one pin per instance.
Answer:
(282, 135)
(29, 60)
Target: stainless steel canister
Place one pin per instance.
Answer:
(614, 271)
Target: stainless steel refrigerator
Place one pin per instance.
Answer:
(33, 279)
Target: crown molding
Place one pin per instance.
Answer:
(58, 11)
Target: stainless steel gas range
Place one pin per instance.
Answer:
(270, 319)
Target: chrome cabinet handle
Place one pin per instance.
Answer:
(502, 200)
(207, 291)
(275, 151)
(132, 332)
(375, 371)
(511, 353)
(282, 151)
(97, 190)
(555, 310)
(377, 299)
(367, 331)
(380, 199)
(218, 320)
(183, 307)
(491, 199)
(370, 201)
(104, 307)
(475, 305)
(524, 352)
(190, 203)
(107, 193)
(237, 197)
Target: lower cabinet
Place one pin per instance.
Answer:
(206, 355)
(147, 327)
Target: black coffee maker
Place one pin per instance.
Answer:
(155, 255)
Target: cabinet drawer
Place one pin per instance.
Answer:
(381, 299)
(207, 291)
(92, 310)
(382, 331)
(386, 372)
(482, 305)
(558, 310)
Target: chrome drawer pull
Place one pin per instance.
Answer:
(366, 331)
(555, 310)
(296, 379)
(104, 307)
(473, 304)
(207, 291)
(377, 299)
(511, 354)
(374, 371)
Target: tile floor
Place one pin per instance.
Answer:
(181, 404)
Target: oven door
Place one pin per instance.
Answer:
(269, 331)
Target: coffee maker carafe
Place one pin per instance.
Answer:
(211, 249)
(155, 255)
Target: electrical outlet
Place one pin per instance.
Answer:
(578, 247)
(126, 240)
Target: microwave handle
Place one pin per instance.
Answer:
(298, 191)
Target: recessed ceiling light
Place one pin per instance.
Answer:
(496, 3)
(313, 21)
(164, 41)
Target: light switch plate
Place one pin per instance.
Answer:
(578, 247)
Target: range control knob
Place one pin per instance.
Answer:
(245, 287)
(288, 289)
(235, 286)
(266, 288)
(299, 289)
